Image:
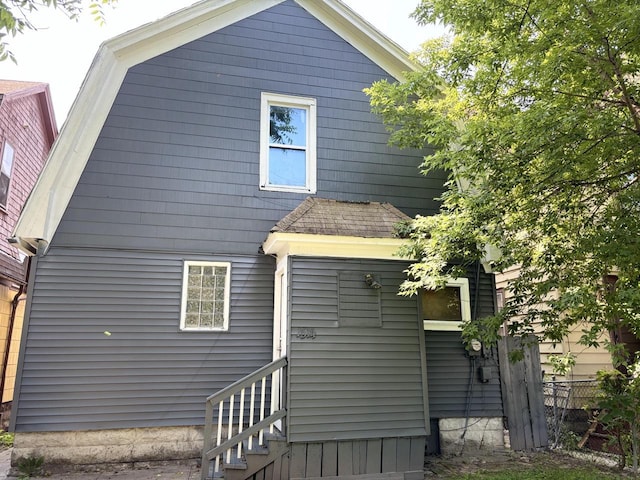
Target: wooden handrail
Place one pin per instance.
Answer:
(247, 381)
(214, 452)
(225, 398)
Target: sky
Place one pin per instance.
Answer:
(61, 50)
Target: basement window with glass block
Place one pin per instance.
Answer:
(205, 296)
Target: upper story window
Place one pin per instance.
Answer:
(287, 143)
(448, 307)
(205, 296)
(500, 298)
(5, 174)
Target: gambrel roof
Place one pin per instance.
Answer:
(69, 155)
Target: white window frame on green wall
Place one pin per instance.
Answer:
(462, 284)
(201, 303)
(304, 143)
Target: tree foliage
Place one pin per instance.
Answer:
(281, 125)
(534, 107)
(15, 16)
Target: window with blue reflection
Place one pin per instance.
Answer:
(288, 146)
(287, 152)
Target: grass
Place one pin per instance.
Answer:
(29, 467)
(542, 473)
(543, 465)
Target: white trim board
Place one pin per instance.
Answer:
(284, 244)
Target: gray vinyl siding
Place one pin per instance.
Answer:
(352, 382)
(146, 373)
(448, 372)
(176, 166)
(449, 369)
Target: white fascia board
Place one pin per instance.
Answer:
(68, 156)
(379, 48)
(282, 245)
(182, 27)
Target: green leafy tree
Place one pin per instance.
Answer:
(15, 16)
(533, 106)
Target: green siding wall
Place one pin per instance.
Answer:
(350, 382)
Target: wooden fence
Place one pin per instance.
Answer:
(522, 394)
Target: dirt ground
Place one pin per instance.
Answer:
(436, 468)
(450, 467)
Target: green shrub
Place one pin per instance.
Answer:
(6, 439)
(620, 403)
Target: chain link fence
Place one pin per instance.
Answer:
(571, 409)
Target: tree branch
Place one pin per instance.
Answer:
(594, 99)
(631, 105)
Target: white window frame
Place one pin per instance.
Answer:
(465, 308)
(7, 151)
(306, 103)
(227, 295)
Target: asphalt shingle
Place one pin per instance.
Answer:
(321, 216)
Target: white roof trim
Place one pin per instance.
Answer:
(379, 48)
(282, 244)
(68, 157)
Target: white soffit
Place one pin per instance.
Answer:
(282, 244)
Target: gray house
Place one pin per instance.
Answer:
(218, 215)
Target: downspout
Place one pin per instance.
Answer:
(12, 319)
(472, 360)
(476, 294)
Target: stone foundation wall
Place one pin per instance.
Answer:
(485, 433)
(110, 446)
(175, 443)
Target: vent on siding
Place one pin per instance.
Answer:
(359, 303)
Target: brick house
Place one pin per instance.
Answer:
(27, 131)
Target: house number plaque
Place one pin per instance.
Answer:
(306, 333)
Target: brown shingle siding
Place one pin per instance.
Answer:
(26, 127)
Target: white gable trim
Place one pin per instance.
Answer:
(379, 48)
(68, 157)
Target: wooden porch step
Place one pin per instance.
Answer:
(258, 458)
(235, 463)
(255, 449)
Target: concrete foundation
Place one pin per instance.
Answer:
(93, 447)
(110, 446)
(480, 434)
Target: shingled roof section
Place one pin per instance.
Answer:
(8, 86)
(320, 216)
